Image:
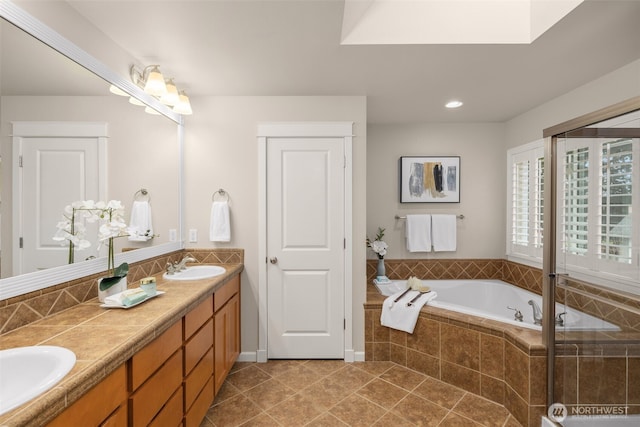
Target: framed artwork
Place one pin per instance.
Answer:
(426, 179)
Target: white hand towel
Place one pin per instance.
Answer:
(140, 227)
(419, 233)
(398, 315)
(443, 231)
(220, 228)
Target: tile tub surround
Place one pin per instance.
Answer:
(521, 387)
(102, 340)
(502, 363)
(620, 308)
(24, 309)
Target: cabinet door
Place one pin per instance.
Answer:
(233, 349)
(221, 325)
(95, 407)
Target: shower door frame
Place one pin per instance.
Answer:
(549, 276)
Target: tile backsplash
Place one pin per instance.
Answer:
(24, 309)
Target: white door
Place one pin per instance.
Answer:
(305, 247)
(54, 172)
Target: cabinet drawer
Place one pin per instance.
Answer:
(197, 317)
(222, 295)
(118, 418)
(147, 401)
(198, 346)
(97, 404)
(196, 414)
(171, 414)
(198, 378)
(150, 358)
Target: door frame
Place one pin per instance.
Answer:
(304, 130)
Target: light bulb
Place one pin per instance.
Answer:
(154, 84)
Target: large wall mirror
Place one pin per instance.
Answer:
(40, 85)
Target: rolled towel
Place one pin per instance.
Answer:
(416, 284)
(126, 298)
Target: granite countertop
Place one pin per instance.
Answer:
(103, 339)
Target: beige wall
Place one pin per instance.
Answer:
(619, 85)
(221, 151)
(481, 233)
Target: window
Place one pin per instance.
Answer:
(525, 216)
(598, 230)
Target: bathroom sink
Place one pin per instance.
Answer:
(196, 272)
(26, 372)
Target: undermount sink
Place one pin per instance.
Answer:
(26, 372)
(196, 272)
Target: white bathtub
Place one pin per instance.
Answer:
(490, 299)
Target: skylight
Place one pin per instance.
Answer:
(450, 21)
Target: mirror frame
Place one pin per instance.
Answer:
(30, 282)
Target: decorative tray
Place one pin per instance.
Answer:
(132, 305)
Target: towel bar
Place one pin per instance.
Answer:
(404, 217)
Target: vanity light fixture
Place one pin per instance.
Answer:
(151, 80)
(171, 96)
(453, 104)
(183, 106)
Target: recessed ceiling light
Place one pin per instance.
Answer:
(453, 104)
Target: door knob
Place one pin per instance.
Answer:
(273, 260)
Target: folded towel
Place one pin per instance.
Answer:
(398, 315)
(220, 228)
(140, 228)
(443, 232)
(418, 233)
(126, 298)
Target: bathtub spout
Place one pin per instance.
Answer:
(537, 313)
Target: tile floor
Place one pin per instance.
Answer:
(334, 393)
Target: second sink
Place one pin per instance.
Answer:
(26, 372)
(196, 272)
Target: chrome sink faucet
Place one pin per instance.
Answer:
(537, 313)
(177, 267)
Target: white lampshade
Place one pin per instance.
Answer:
(171, 97)
(117, 91)
(136, 101)
(150, 110)
(154, 83)
(183, 106)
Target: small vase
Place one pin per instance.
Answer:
(118, 287)
(381, 270)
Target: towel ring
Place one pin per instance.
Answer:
(221, 193)
(142, 195)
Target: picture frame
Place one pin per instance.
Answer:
(429, 179)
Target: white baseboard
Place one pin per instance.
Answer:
(260, 356)
(247, 356)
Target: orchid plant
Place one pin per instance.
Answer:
(111, 215)
(378, 245)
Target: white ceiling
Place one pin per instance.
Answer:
(292, 47)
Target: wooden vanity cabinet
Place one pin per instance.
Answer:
(103, 405)
(155, 376)
(198, 362)
(226, 316)
(173, 380)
